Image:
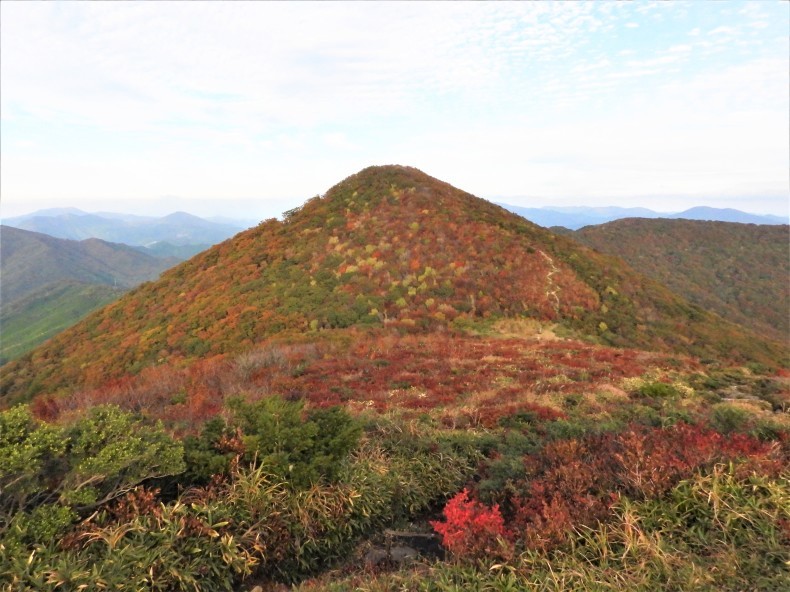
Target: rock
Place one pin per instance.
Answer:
(375, 557)
(402, 555)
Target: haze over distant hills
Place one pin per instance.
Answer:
(576, 217)
(59, 264)
(50, 283)
(178, 229)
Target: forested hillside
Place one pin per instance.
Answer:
(391, 247)
(48, 284)
(739, 271)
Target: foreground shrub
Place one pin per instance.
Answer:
(301, 447)
(575, 482)
(174, 548)
(250, 521)
(719, 531)
(81, 465)
(472, 530)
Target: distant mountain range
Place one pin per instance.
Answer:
(49, 283)
(177, 229)
(578, 217)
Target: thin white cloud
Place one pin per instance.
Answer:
(723, 31)
(148, 99)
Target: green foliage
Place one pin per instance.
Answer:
(176, 548)
(109, 451)
(204, 456)
(253, 521)
(656, 390)
(91, 461)
(727, 418)
(44, 523)
(565, 429)
(29, 452)
(300, 448)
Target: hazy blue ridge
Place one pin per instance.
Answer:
(576, 217)
(178, 228)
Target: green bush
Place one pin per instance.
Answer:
(656, 390)
(205, 455)
(727, 418)
(176, 548)
(301, 448)
(29, 452)
(84, 464)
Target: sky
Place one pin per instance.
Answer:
(246, 109)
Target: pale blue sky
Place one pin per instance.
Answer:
(247, 109)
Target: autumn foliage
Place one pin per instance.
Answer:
(388, 248)
(471, 530)
(573, 483)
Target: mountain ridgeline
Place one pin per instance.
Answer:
(176, 229)
(49, 283)
(31, 260)
(738, 271)
(388, 247)
(580, 216)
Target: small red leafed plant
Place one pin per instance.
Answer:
(472, 530)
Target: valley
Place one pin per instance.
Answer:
(54, 278)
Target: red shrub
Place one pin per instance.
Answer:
(575, 482)
(45, 408)
(472, 530)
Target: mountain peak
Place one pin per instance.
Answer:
(182, 217)
(388, 247)
(380, 178)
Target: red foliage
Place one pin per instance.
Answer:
(472, 530)
(489, 416)
(575, 482)
(45, 408)
(140, 501)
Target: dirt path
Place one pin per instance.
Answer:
(552, 288)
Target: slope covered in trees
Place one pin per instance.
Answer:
(48, 284)
(390, 247)
(31, 260)
(739, 271)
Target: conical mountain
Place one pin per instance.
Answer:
(389, 246)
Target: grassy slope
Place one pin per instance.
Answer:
(739, 271)
(32, 320)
